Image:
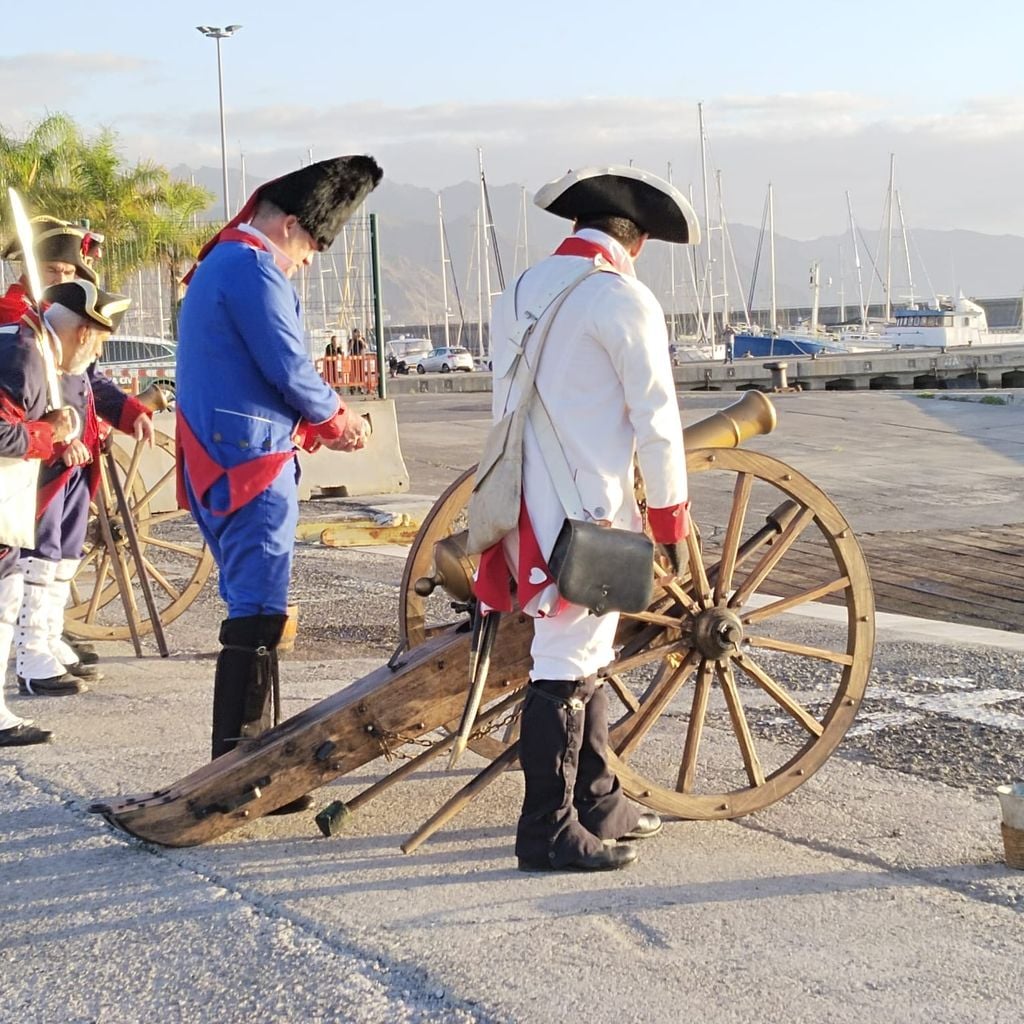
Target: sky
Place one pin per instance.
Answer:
(811, 96)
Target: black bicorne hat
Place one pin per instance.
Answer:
(105, 309)
(58, 241)
(324, 195)
(658, 208)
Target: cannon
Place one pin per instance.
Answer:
(721, 704)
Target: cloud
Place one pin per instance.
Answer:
(955, 167)
(38, 80)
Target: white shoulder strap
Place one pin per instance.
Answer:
(551, 301)
(557, 464)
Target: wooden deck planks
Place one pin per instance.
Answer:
(974, 577)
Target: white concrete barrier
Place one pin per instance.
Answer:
(377, 469)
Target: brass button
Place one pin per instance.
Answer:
(243, 444)
(217, 436)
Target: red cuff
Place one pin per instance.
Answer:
(332, 428)
(305, 436)
(40, 439)
(671, 524)
(130, 412)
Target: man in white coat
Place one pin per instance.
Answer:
(606, 381)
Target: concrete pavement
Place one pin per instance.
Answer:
(869, 894)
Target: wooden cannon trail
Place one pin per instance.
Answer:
(719, 709)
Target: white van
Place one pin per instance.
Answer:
(407, 352)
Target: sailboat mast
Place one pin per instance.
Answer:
(774, 321)
(479, 283)
(888, 238)
(524, 208)
(815, 295)
(444, 270)
(725, 272)
(485, 246)
(906, 249)
(672, 279)
(856, 263)
(698, 300)
(707, 223)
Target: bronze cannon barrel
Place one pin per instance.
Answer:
(752, 415)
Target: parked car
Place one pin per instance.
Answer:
(445, 360)
(407, 352)
(133, 363)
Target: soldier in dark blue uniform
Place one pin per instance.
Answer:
(64, 253)
(248, 394)
(82, 317)
(30, 429)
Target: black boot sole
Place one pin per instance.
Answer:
(606, 860)
(55, 687)
(24, 736)
(83, 671)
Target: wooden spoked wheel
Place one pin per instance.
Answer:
(421, 616)
(720, 704)
(175, 558)
(727, 705)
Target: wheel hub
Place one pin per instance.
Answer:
(717, 633)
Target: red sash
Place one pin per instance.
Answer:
(91, 439)
(245, 481)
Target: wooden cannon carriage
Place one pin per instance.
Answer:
(721, 706)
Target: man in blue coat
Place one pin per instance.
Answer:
(248, 394)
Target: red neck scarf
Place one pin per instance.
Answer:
(576, 246)
(612, 253)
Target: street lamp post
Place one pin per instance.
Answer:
(211, 32)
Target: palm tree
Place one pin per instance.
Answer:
(143, 212)
(175, 236)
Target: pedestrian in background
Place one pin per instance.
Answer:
(357, 343)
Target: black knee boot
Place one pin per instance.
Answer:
(244, 683)
(600, 803)
(551, 732)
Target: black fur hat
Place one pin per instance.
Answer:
(658, 208)
(61, 242)
(324, 195)
(105, 309)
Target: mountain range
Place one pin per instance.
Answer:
(941, 262)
